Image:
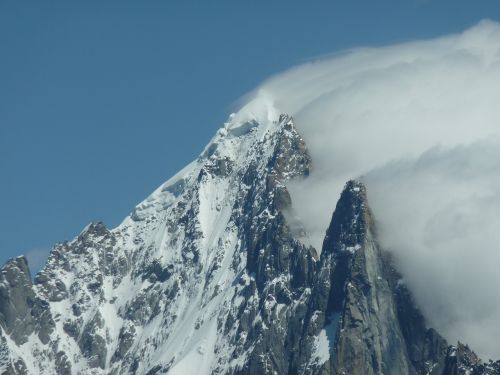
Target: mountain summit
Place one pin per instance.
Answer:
(209, 275)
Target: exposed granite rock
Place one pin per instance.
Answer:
(362, 304)
(92, 343)
(16, 299)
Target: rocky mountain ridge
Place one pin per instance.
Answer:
(209, 276)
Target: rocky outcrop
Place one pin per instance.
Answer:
(364, 314)
(378, 328)
(16, 300)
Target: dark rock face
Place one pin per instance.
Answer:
(377, 326)
(16, 299)
(207, 276)
(377, 323)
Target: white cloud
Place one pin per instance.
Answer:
(439, 214)
(419, 121)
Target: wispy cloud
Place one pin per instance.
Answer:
(37, 258)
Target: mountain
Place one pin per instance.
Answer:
(211, 275)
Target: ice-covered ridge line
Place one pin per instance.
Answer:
(242, 129)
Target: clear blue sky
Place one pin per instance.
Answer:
(101, 101)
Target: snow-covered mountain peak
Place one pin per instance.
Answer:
(208, 276)
(173, 267)
(232, 149)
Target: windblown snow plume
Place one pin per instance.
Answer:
(419, 121)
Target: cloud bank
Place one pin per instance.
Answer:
(420, 124)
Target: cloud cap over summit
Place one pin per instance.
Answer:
(420, 122)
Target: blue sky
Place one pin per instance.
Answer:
(102, 101)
